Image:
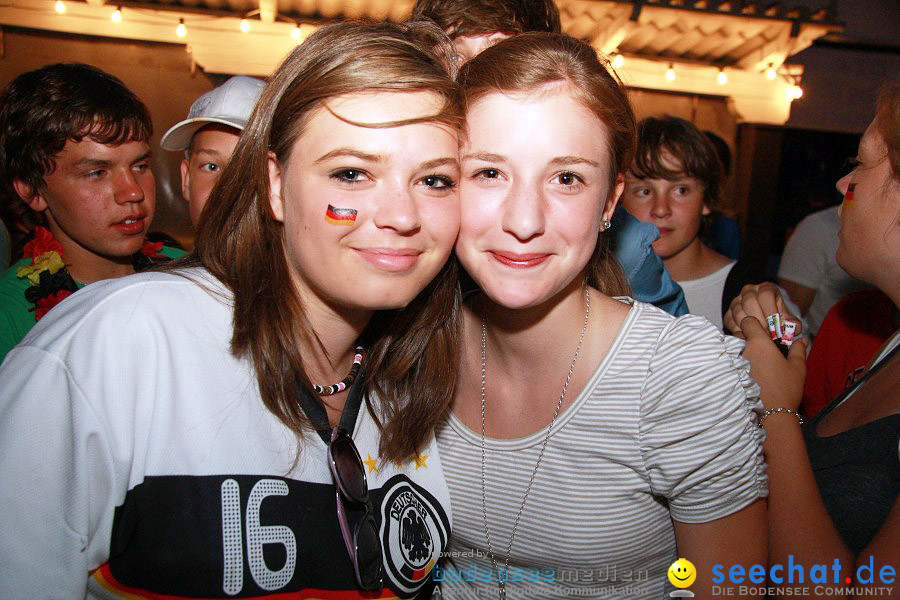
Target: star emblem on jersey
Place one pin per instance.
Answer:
(371, 463)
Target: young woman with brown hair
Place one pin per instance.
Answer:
(593, 439)
(209, 431)
(835, 481)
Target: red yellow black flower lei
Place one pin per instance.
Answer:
(51, 282)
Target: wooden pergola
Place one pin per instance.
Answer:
(736, 48)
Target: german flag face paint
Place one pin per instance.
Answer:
(848, 197)
(340, 216)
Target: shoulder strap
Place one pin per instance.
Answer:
(315, 410)
(843, 396)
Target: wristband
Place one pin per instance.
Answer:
(781, 409)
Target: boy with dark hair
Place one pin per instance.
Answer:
(477, 17)
(474, 25)
(74, 150)
(672, 184)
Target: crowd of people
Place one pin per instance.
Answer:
(452, 321)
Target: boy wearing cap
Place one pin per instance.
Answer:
(208, 137)
(475, 25)
(75, 158)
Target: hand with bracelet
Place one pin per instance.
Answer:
(834, 491)
(780, 377)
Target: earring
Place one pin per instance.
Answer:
(605, 225)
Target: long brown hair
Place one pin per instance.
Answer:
(528, 62)
(412, 357)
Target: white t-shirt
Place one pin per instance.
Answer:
(137, 459)
(665, 429)
(809, 259)
(704, 295)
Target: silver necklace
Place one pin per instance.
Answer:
(501, 581)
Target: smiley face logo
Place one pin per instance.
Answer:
(682, 573)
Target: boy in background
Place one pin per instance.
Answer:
(208, 137)
(74, 150)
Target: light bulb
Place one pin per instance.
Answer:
(181, 30)
(60, 7)
(721, 78)
(295, 33)
(618, 61)
(793, 92)
(670, 73)
(245, 25)
(116, 15)
(770, 73)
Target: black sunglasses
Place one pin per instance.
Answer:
(349, 476)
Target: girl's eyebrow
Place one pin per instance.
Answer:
(485, 156)
(571, 160)
(559, 160)
(439, 162)
(352, 152)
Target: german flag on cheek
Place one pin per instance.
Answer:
(340, 216)
(848, 197)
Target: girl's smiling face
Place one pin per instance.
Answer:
(535, 188)
(370, 214)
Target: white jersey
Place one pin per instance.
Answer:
(137, 460)
(664, 429)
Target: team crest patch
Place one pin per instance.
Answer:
(414, 531)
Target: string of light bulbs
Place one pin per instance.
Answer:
(181, 30)
(793, 91)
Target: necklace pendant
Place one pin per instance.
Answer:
(502, 592)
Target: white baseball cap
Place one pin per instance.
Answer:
(229, 104)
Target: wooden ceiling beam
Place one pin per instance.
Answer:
(609, 38)
(773, 51)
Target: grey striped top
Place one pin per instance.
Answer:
(665, 429)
